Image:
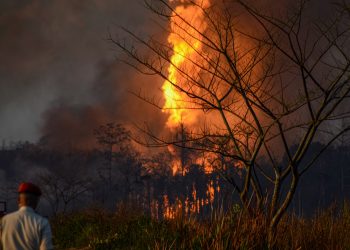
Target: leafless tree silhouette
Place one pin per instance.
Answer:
(264, 82)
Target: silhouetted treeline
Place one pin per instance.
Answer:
(108, 176)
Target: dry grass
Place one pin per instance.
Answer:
(128, 229)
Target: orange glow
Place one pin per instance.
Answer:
(211, 192)
(205, 161)
(186, 206)
(169, 212)
(176, 165)
(186, 44)
(187, 66)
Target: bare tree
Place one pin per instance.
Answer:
(121, 161)
(60, 190)
(263, 81)
(112, 137)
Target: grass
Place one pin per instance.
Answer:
(100, 230)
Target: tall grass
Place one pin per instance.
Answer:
(130, 229)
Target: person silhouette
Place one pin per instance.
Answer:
(24, 229)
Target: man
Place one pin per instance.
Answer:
(25, 229)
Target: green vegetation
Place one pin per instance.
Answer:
(97, 229)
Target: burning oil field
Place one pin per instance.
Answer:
(191, 124)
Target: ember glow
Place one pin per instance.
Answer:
(190, 205)
(186, 44)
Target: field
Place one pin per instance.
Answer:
(129, 229)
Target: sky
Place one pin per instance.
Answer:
(58, 70)
(58, 75)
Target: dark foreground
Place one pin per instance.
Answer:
(128, 229)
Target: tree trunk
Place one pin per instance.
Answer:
(272, 230)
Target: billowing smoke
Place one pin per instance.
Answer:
(58, 75)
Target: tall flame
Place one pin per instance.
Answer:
(186, 21)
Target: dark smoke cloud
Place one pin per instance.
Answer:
(58, 76)
(68, 124)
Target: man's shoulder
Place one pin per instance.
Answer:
(41, 218)
(36, 216)
(25, 214)
(10, 215)
(9, 218)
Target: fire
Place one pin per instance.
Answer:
(211, 192)
(176, 164)
(206, 162)
(185, 46)
(191, 205)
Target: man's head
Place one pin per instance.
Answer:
(28, 195)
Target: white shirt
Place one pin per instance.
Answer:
(25, 230)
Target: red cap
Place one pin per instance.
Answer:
(27, 187)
